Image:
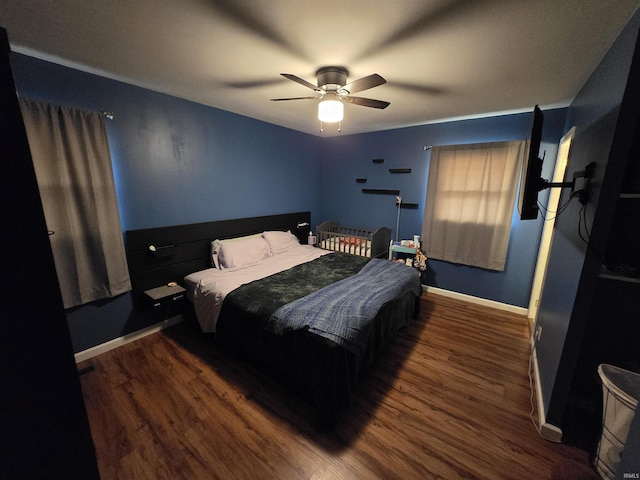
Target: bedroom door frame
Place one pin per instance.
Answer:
(562, 159)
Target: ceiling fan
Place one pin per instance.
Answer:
(333, 90)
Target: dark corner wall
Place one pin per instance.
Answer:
(566, 294)
(179, 162)
(44, 429)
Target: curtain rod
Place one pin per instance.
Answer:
(429, 147)
(109, 115)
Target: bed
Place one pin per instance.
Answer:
(312, 318)
(355, 241)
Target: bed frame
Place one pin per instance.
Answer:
(357, 241)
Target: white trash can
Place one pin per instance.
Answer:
(620, 393)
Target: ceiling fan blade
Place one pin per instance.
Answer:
(300, 81)
(367, 102)
(293, 98)
(363, 83)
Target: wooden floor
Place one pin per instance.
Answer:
(449, 399)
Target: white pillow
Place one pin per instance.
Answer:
(217, 243)
(241, 253)
(280, 241)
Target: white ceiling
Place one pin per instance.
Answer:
(442, 59)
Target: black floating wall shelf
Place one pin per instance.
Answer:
(380, 191)
(361, 180)
(410, 206)
(399, 170)
(378, 160)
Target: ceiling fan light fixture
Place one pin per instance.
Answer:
(330, 111)
(333, 90)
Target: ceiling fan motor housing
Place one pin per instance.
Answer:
(332, 76)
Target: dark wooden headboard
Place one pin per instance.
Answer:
(184, 249)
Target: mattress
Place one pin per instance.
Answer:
(208, 288)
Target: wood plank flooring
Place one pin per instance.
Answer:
(449, 399)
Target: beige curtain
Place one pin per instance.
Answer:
(73, 166)
(470, 200)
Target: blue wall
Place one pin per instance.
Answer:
(177, 161)
(180, 162)
(350, 157)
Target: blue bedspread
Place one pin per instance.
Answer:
(342, 312)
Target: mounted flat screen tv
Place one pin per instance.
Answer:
(531, 181)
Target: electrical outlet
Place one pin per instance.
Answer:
(538, 333)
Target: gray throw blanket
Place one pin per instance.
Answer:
(343, 312)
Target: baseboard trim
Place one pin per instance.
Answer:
(476, 300)
(130, 337)
(547, 430)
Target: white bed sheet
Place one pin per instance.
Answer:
(208, 288)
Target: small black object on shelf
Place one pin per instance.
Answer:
(380, 191)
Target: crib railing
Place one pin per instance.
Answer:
(356, 241)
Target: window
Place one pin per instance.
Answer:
(471, 193)
(73, 166)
